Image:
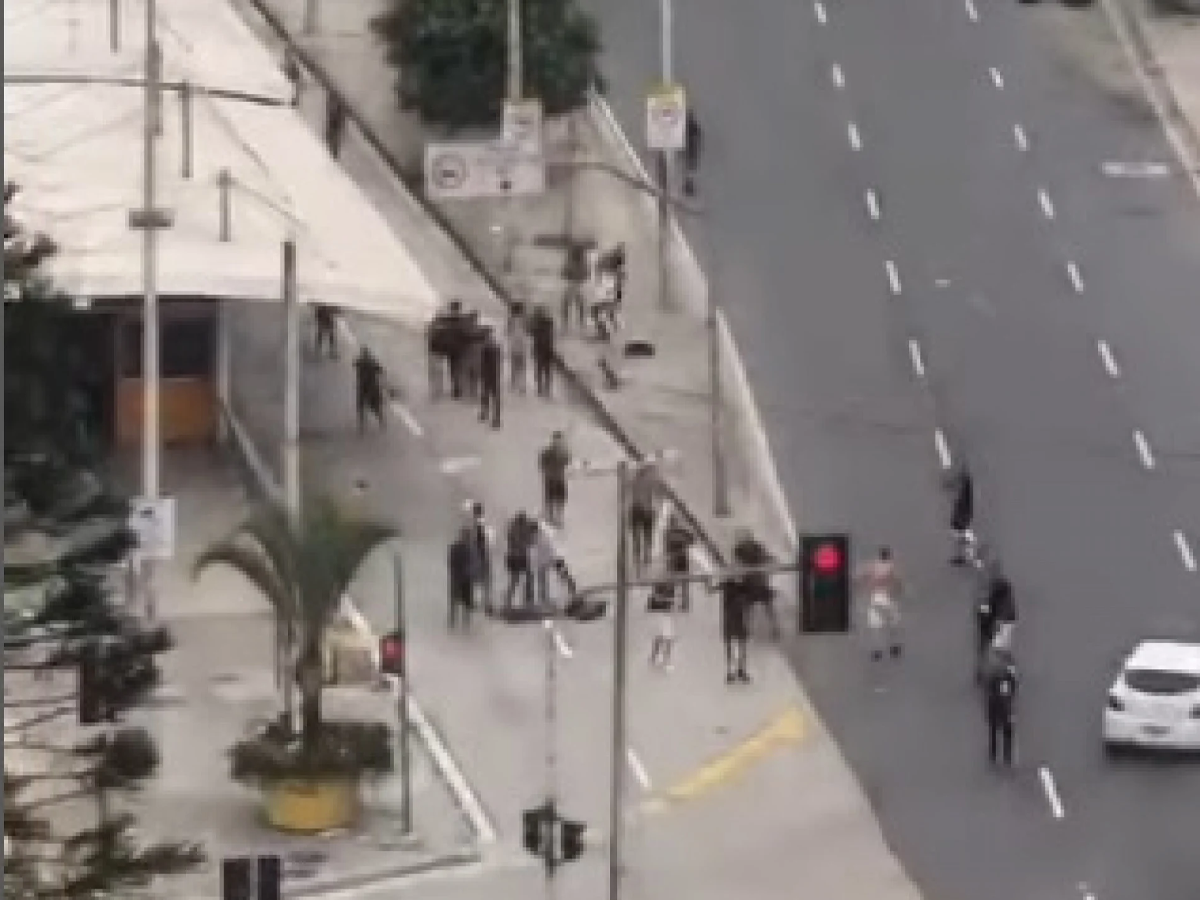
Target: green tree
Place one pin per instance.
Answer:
(451, 56)
(303, 566)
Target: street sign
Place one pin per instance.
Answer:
(666, 118)
(463, 170)
(154, 218)
(523, 125)
(153, 522)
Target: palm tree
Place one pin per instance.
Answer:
(303, 565)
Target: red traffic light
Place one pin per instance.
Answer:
(391, 654)
(827, 559)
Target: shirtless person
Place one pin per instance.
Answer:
(881, 582)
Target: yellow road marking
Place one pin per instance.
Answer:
(787, 729)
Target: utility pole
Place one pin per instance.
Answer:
(151, 436)
(624, 470)
(406, 822)
(666, 157)
(616, 811)
(516, 69)
(716, 398)
(550, 859)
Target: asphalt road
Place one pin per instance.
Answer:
(1053, 310)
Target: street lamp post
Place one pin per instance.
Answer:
(666, 157)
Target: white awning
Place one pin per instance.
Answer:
(75, 149)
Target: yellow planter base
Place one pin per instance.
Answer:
(310, 806)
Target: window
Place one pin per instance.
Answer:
(1158, 681)
(187, 348)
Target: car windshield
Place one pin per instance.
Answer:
(1158, 681)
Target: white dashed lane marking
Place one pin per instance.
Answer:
(1143, 449)
(918, 363)
(839, 77)
(819, 12)
(972, 12)
(872, 204)
(893, 276)
(1046, 204)
(1051, 791)
(854, 136)
(943, 448)
(1021, 138)
(997, 78)
(1185, 551)
(1106, 357)
(639, 770)
(1076, 278)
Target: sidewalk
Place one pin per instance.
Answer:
(218, 682)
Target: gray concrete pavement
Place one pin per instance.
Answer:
(1016, 378)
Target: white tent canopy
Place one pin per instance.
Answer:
(75, 150)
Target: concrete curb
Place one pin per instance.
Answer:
(352, 883)
(1182, 134)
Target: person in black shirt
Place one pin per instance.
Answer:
(735, 605)
(491, 365)
(1000, 697)
(326, 321)
(962, 516)
(541, 333)
(460, 576)
(368, 389)
(749, 551)
(677, 545)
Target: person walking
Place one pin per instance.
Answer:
(1000, 698)
(661, 604)
(962, 517)
(749, 551)
(544, 558)
(553, 462)
(457, 327)
(368, 389)
(325, 317)
(460, 576)
(517, 332)
(541, 333)
(483, 538)
(644, 491)
(735, 632)
(517, 550)
(677, 548)
(473, 340)
(438, 339)
(880, 580)
(693, 145)
(491, 366)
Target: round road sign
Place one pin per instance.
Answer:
(448, 171)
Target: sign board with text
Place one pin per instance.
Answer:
(666, 118)
(523, 125)
(153, 522)
(463, 170)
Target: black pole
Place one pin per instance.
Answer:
(406, 823)
(620, 651)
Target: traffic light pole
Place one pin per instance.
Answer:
(406, 817)
(550, 859)
(616, 812)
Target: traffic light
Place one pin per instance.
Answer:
(533, 828)
(91, 687)
(270, 877)
(825, 583)
(391, 654)
(237, 878)
(572, 839)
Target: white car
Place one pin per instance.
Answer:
(1155, 700)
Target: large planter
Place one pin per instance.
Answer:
(311, 806)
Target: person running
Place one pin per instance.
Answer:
(661, 605)
(880, 580)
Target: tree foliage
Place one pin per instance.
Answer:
(451, 56)
(303, 567)
(48, 856)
